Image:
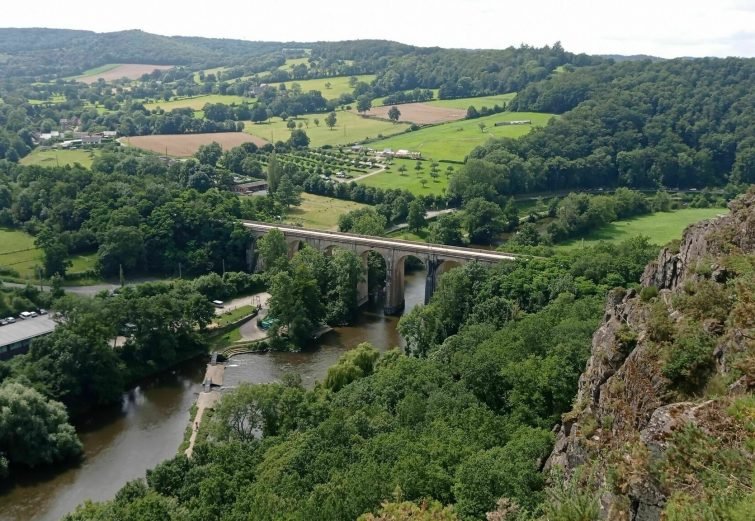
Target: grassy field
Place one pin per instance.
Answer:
(410, 180)
(232, 316)
(18, 252)
(320, 212)
(478, 103)
(350, 128)
(455, 140)
(293, 62)
(52, 157)
(206, 72)
(660, 227)
(196, 103)
(338, 85)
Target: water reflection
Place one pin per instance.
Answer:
(312, 365)
(121, 443)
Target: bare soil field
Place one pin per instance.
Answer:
(420, 113)
(184, 145)
(132, 71)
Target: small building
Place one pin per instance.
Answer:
(250, 188)
(16, 338)
(91, 140)
(386, 153)
(406, 154)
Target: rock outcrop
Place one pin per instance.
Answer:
(626, 407)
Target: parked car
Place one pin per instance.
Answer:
(42, 311)
(24, 315)
(217, 303)
(10, 320)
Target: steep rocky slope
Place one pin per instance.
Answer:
(664, 420)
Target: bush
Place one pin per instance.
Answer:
(648, 293)
(689, 360)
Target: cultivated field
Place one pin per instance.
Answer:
(53, 157)
(420, 113)
(338, 85)
(350, 128)
(660, 227)
(453, 141)
(320, 212)
(184, 145)
(197, 102)
(110, 72)
(478, 103)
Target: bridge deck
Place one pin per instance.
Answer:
(381, 242)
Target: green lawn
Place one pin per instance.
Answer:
(233, 316)
(18, 252)
(478, 103)
(338, 85)
(454, 141)
(197, 102)
(660, 227)
(350, 128)
(53, 157)
(410, 180)
(320, 212)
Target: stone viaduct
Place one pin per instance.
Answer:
(437, 258)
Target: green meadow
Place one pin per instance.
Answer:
(317, 211)
(454, 141)
(55, 157)
(660, 227)
(350, 128)
(338, 85)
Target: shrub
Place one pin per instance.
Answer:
(689, 360)
(648, 293)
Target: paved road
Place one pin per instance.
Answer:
(85, 291)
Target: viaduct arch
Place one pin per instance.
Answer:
(437, 258)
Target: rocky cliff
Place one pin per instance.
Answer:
(668, 365)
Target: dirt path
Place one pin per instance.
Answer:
(204, 401)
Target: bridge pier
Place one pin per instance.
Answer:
(394, 285)
(363, 287)
(431, 280)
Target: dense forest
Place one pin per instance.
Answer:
(674, 124)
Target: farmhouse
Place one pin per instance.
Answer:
(16, 338)
(250, 188)
(91, 140)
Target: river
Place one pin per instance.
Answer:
(120, 444)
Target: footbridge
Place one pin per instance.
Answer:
(437, 258)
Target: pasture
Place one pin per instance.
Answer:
(338, 85)
(55, 157)
(317, 211)
(350, 128)
(420, 113)
(196, 102)
(185, 145)
(111, 72)
(453, 141)
(412, 179)
(478, 103)
(18, 253)
(660, 227)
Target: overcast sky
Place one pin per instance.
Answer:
(666, 28)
